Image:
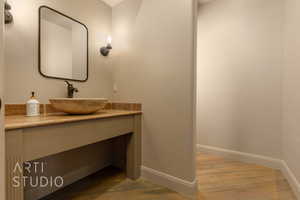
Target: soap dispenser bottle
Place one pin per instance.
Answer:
(33, 106)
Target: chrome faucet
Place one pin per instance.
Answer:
(71, 90)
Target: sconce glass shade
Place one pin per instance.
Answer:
(105, 50)
(109, 40)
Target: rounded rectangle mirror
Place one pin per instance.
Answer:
(63, 46)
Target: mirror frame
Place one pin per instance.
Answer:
(39, 48)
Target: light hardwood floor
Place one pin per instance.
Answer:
(219, 179)
(111, 184)
(225, 179)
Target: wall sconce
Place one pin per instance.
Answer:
(105, 50)
(8, 15)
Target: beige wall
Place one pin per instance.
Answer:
(153, 63)
(22, 50)
(291, 85)
(239, 75)
(2, 139)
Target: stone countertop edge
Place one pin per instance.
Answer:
(14, 122)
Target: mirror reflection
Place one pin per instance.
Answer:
(63, 46)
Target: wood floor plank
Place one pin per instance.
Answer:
(219, 179)
(225, 179)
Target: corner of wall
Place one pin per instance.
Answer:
(186, 188)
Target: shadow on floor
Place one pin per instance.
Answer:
(112, 184)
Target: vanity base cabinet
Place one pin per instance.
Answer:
(29, 144)
(14, 165)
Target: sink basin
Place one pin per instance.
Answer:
(78, 106)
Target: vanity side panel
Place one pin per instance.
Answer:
(14, 157)
(134, 150)
(44, 141)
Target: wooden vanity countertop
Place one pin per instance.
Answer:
(13, 122)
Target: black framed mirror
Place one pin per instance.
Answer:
(63, 46)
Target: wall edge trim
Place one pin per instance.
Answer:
(266, 161)
(291, 178)
(186, 188)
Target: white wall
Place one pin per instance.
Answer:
(291, 85)
(154, 64)
(21, 52)
(239, 75)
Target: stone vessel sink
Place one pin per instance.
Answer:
(78, 106)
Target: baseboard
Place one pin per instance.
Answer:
(259, 160)
(241, 156)
(186, 188)
(291, 178)
(72, 177)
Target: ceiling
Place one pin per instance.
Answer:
(112, 3)
(204, 1)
